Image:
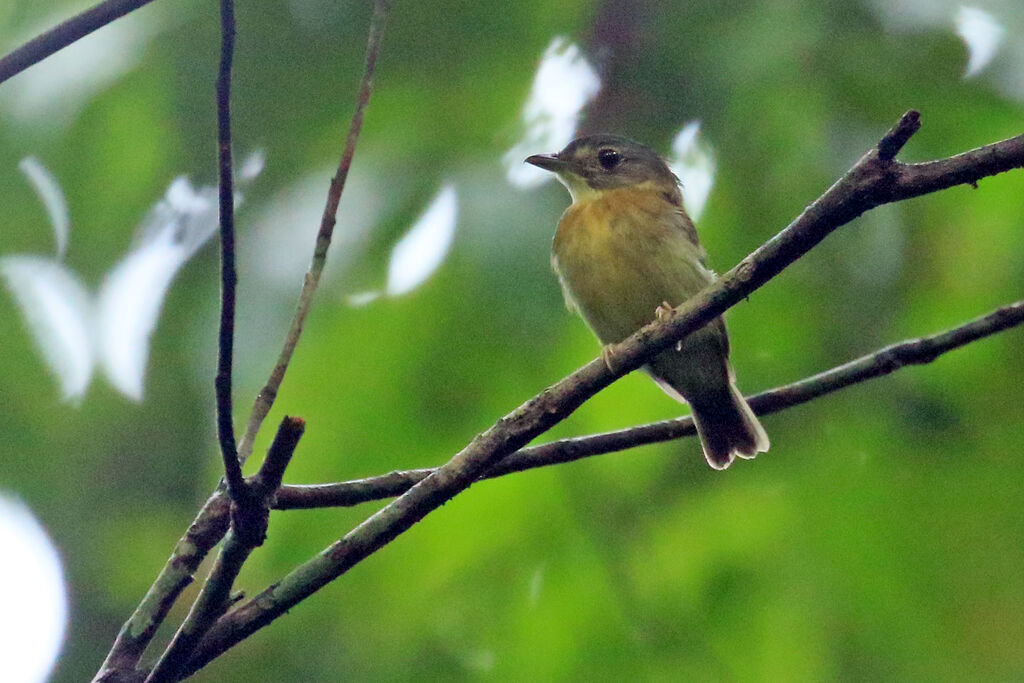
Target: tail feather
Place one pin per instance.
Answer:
(728, 428)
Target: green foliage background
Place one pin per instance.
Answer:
(879, 539)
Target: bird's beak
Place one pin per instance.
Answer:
(549, 162)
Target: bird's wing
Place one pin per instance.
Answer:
(681, 219)
(570, 302)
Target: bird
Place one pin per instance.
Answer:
(627, 253)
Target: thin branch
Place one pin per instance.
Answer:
(63, 34)
(899, 135)
(267, 395)
(878, 364)
(228, 274)
(215, 598)
(356, 491)
(126, 652)
(211, 523)
(250, 505)
(136, 634)
(871, 182)
(914, 180)
(267, 482)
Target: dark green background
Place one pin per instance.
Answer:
(879, 539)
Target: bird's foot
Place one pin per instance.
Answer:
(664, 311)
(608, 356)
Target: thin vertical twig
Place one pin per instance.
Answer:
(228, 274)
(210, 523)
(267, 395)
(213, 597)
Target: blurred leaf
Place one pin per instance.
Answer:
(877, 539)
(422, 250)
(35, 595)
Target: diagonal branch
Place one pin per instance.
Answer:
(874, 180)
(135, 635)
(290, 497)
(267, 395)
(878, 364)
(63, 34)
(214, 599)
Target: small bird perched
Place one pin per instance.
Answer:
(626, 252)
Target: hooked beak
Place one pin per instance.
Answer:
(549, 162)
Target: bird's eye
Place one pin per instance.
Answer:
(609, 158)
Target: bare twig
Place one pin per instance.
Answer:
(349, 493)
(894, 140)
(136, 634)
(211, 523)
(267, 482)
(228, 274)
(215, 597)
(63, 34)
(872, 181)
(878, 364)
(267, 395)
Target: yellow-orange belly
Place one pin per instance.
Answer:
(620, 255)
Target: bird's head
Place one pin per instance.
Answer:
(593, 164)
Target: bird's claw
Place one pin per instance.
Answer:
(664, 310)
(608, 356)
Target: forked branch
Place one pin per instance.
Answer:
(239, 543)
(211, 523)
(878, 364)
(874, 180)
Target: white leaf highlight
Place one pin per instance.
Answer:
(52, 197)
(133, 292)
(73, 333)
(421, 250)
(693, 161)
(58, 313)
(360, 299)
(565, 82)
(252, 166)
(981, 33)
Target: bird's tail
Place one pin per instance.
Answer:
(727, 427)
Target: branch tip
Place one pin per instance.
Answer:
(268, 479)
(893, 141)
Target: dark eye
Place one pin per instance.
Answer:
(609, 158)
